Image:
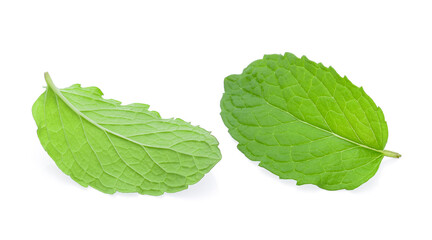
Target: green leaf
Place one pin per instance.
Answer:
(303, 121)
(125, 148)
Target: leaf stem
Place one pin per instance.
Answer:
(49, 82)
(388, 153)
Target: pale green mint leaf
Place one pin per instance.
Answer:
(303, 121)
(126, 148)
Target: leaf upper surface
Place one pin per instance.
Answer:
(303, 121)
(127, 148)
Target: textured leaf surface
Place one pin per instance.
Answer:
(303, 121)
(125, 148)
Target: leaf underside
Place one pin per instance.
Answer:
(303, 121)
(127, 148)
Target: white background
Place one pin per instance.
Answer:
(174, 56)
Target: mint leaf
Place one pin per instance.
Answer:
(111, 147)
(303, 121)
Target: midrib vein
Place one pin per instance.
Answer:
(58, 93)
(77, 111)
(316, 127)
